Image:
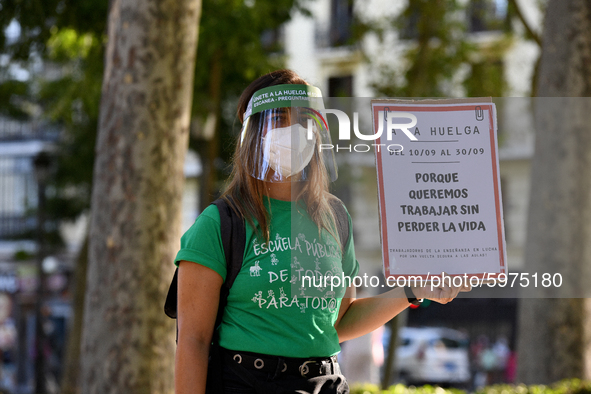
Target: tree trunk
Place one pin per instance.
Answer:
(390, 372)
(128, 343)
(554, 332)
(70, 381)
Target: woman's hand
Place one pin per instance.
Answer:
(442, 291)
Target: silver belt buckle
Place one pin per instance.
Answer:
(304, 369)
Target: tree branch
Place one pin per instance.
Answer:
(535, 36)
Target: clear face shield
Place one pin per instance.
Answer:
(283, 133)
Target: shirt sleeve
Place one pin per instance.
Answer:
(202, 242)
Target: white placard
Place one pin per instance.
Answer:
(439, 188)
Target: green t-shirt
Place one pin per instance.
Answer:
(271, 308)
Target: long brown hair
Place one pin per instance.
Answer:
(245, 193)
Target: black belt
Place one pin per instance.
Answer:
(305, 367)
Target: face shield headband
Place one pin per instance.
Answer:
(282, 134)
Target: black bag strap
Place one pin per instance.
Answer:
(341, 219)
(171, 298)
(233, 236)
(233, 240)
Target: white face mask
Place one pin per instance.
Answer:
(288, 150)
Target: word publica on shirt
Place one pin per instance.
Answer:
(313, 248)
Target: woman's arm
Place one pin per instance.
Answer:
(358, 317)
(198, 298)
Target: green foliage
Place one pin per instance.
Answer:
(231, 53)
(71, 34)
(37, 18)
(485, 79)
(235, 47)
(438, 51)
(569, 386)
(23, 255)
(67, 44)
(436, 32)
(13, 96)
(402, 389)
(72, 101)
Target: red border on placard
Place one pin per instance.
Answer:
(488, 107)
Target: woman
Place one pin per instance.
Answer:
(279, 333)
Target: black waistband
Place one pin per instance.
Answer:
(305, 367)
